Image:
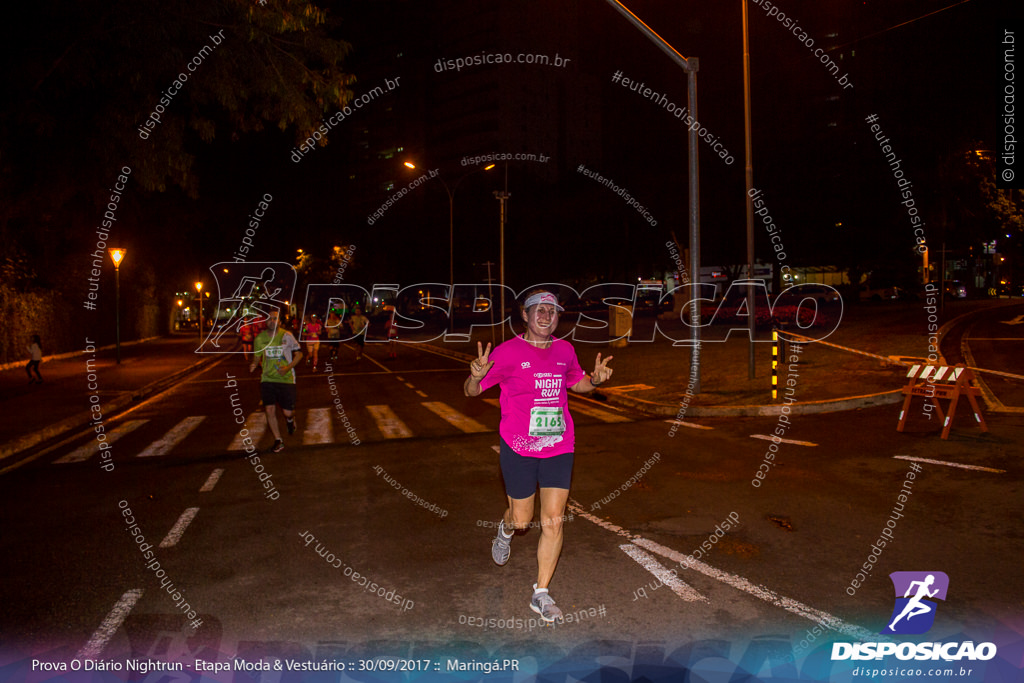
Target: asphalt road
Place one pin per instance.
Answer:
(409, 511)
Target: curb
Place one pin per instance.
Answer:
(71, 354)
(110, 409)
(657, 409)
(834, 405)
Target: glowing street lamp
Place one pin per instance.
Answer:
(117, 255)
(199, 294)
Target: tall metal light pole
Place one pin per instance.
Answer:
(199, 293)
(451, 216)
(502, 196)
(690, 66)
(751, 320)
(117, 255)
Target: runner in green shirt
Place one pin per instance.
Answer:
(278, 352)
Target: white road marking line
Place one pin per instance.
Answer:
(388, 423)
(319, 428)
(174, 535)
(422, 395)
(496, 402)
(454, 417)
(383, 367)
(949, 464)
(399, 378)
(172, 438)
(603, 415)
(255, 427)
(496, 448)
(692, 425)
(211, 481)
(92, 448)
(738, 582)
(792, 441)
(647, 561)
(410, 385)
(109, 627)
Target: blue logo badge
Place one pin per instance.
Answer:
(914, 612)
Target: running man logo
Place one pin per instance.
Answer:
(914, 613)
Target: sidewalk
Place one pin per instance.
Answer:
(35, 413)
(649, 376)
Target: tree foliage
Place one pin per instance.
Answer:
(78, 91)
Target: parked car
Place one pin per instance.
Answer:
(821, 293)
(955, 289)
(869, 293)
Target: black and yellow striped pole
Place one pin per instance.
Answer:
(775, 364)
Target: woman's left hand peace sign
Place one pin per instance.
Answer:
(602, 373)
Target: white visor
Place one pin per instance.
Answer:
(542, 298)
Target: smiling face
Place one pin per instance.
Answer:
(541, 321)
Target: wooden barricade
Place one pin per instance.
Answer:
(933, 382)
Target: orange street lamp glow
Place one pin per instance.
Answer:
(199, 286)
(117, 255)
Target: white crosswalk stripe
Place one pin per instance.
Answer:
(255, 427)
(93, 447)
(318, 427)
(388, 423)
(454, 417)
(172, 438)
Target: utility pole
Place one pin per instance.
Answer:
(502, 196)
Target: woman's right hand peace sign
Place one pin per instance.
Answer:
(480, 365)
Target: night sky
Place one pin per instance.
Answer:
(928, 69)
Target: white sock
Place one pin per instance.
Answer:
(502, 530)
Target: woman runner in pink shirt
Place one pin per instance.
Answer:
(537, 437)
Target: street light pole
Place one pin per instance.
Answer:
(751, 320)
(690, 66)
(451, 218)
(116, 255)
(502, 196)
(199, 293)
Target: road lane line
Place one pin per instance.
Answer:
(647, 561)
(454, 417)
(319, 428)
(385, 368)
(172, 438)
(792, 441)
(692, 425)
(92, 448)
(211, 481)
(949, 464)
(255, 427)
(388, 423)
(421, 394)
(174, 535)
(738, 582)
(110, 625)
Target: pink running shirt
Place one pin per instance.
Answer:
(535, 419)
